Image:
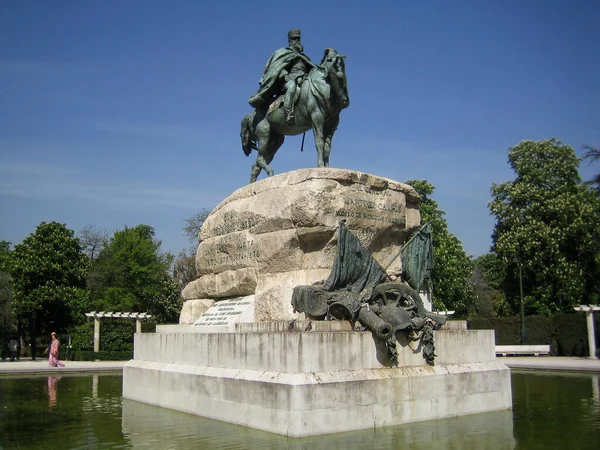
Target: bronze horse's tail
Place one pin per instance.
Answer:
(246, 134)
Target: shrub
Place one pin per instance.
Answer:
(571, 330)
(507, 330)
(148, 327)
(566, 333)
(83, 355)
(115, 335)
(540, 330)
(82, 337)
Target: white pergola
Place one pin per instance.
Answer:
(589, 316)
(138, 317)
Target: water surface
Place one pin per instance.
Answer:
(550, 410)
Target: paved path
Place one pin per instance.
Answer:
(27, 366)
(551, 363)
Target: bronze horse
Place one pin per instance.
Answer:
(322, 96)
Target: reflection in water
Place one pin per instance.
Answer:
(553, 410)
(550, 410)
(52, 390)
(32, 417)
(95, 386)
(149, 426)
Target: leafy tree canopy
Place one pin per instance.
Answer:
(452, 288)
(131, 274)
(48, 271)
(4, 255)
(593, 155)
(93, 240)
(548, 222)
(7, 322)
(488, 277)
(184, 269)
(193, 225)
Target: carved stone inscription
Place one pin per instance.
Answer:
(232, 223)
(231, 249)
(224, 313)
(366, 204)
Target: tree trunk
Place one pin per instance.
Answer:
(33, 336)
(20, 333)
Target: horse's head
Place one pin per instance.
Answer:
(335, 71)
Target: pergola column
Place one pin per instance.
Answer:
(96, 334)
(138, 317)
(589, 316)
(591, 332)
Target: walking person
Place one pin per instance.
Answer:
(54, 352)
(13, 348)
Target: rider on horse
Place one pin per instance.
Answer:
(287, 66)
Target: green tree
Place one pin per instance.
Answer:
(452, 288)
(548, 222)
(488, 277)
(7, 320)
(593, 155)
(93, 240)
(131, 274)
(193, 225)
(48, 271)
(184, 269)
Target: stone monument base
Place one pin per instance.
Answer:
(298, 383)
(281, 232)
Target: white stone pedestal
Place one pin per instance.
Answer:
(318, 382)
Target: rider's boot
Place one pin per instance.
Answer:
(290, 117)
(288, 102)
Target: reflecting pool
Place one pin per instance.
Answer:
(550, 410)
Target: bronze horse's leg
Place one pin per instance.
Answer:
(267, 147)
(328, 130)
(260, 164)
(275, 142)
(255, 171)
(261, 132)
(318, 132)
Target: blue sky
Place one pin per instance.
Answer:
(118, 113)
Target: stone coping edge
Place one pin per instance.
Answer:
(317, 377)
(61, 371)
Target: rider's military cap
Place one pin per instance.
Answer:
(294, 33)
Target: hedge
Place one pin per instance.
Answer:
(566, 333)
(115, 335)
(85, 355)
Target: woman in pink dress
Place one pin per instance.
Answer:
(54, 352)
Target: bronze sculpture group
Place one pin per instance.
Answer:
(359, 290)
(294, 96)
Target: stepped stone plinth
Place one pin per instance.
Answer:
(300, 383)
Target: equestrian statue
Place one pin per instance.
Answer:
(294, 96)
